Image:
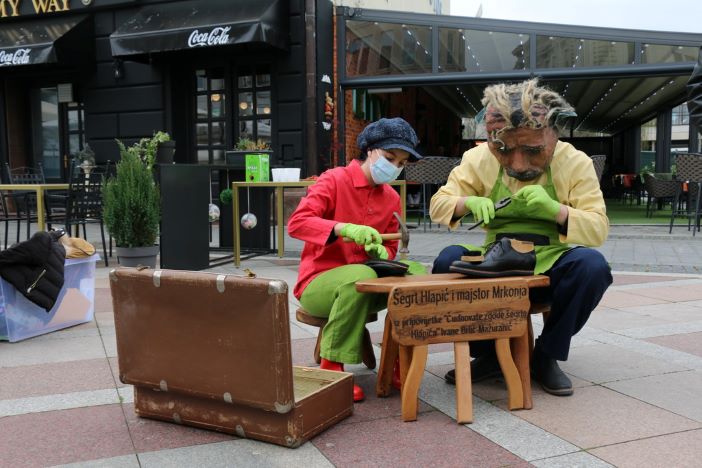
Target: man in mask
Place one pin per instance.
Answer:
(555, 201)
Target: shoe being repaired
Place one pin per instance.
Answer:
(556, 203)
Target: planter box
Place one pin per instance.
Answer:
(21, 319)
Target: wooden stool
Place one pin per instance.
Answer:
(368, 356)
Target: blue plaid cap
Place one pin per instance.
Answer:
(389, 134)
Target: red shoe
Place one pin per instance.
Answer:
(396, 380)
(331, 365)
(358, 394)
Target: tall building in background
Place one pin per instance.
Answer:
(438, 7)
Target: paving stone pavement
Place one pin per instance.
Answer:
(636, 366)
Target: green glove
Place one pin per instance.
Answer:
(483, 208)
(536, 196)
(360, 234)
(377, 251)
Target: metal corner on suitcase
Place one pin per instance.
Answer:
(277, 287)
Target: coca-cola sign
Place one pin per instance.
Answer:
(15, 57)
(217, 36)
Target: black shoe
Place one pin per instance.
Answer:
(481, 368)
(504, 257)
(553, 380)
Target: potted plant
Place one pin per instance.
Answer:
(131, 208)
(158, 148)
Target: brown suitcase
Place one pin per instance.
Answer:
(213, 351)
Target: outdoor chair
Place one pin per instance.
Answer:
(658, 191)
(598, 161)
(689, 174)
(84, 205)
(429, 171)
(6, 216)
(25, 202)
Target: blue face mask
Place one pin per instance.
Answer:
(383, 171)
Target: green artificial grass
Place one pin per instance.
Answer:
(625, 212)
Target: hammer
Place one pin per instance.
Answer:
(404, 236)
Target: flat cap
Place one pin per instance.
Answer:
(389, 134)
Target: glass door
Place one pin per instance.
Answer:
(58, 132)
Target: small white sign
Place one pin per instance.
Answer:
(16, 57)
(217, 36)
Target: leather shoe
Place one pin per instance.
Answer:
(545, 370)
(358, 394)
(331, 365)
(504, 257)
(481, 368)
(326, 364)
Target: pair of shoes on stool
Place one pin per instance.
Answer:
(504, 257)
(545, 370)
(358, 394)
(481, 368)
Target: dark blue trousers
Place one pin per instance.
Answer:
(578, 280)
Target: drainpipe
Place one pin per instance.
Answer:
(310, 140)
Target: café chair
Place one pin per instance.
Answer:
(688, 175)
(428, 172)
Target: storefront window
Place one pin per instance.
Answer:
(210, 114)
(463, 50)
(254, 104)
(374, 48)
(659, 53)
(571, 52)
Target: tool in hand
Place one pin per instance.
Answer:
(402, 236)
(498, 205)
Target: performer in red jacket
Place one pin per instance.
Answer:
(340, 220)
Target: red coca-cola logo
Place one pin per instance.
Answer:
(217, 36)
(16, 57)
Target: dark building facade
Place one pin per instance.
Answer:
(209, 72)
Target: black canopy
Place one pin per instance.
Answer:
(194, 24)
(53, 40)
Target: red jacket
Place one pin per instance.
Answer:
(340, 195)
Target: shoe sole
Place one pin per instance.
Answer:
(490, 274)
(558, 391)
(452, 380)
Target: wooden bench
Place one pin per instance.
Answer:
(213, 351)
(403, 337)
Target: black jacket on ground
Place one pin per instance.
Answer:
(694, 94)
(35, 268)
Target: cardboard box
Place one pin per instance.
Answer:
(21, 319)
(213, 351)
(257, 167)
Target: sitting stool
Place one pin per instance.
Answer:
(368, 356)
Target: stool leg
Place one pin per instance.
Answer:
(509, 371)
(388, 354)
(464, 388)
(410, 385)
(367, 350)
(317, 357)
(520, 352)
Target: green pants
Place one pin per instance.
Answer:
(333, 295)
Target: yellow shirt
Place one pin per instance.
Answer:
(573, 176)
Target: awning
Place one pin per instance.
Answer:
(53, 40)
(198, 24)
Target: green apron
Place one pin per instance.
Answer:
(517, 218)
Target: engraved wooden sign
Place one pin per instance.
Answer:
(462, 310)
